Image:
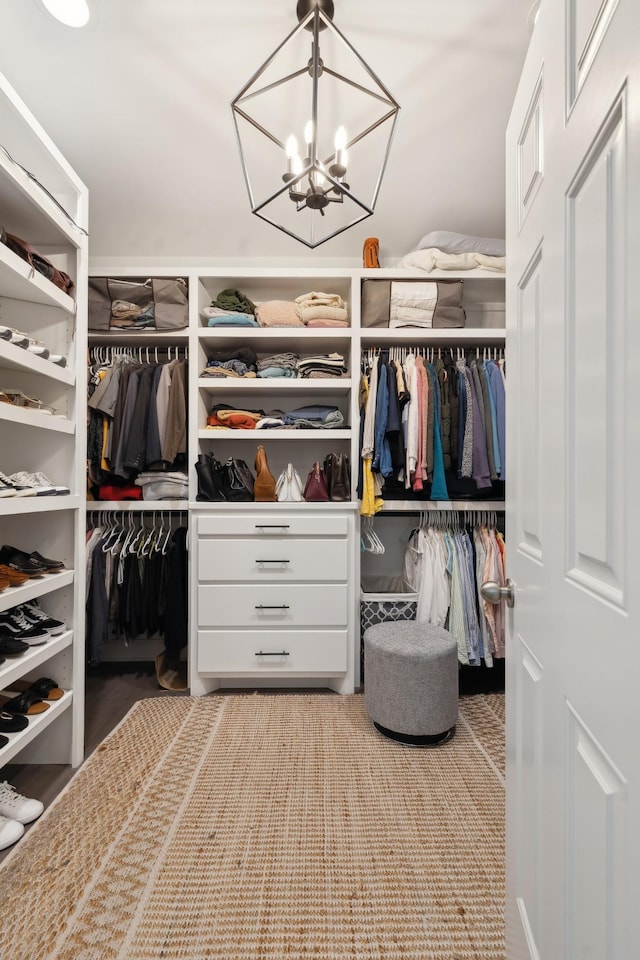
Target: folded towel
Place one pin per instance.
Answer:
(326, 322)
(277, 313)
(319, 299)
(322, 313)
(233, 320)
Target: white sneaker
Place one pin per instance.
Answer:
(37, 347)
(14, 806)
(14, 336)
(20, 490)
(38, 481)
(58, 359)
(10, 831)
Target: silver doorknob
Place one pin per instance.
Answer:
(494, 593)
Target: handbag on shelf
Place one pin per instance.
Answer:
(211, 478)
(315, 489)
(338, 476)
(36, 260)
(239, 480)
(289, 485)
(264, 488)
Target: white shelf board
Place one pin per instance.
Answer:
(19, 282)
(17, 358)
(23, 201)
(296, 334)
(15, 667)
(139, 338)
(258, 436)
(416, 506)
(270, 385)
(28, 417)
(432, 336)
(37, 723)
(34, 587)
(12, 505)
(137, 506)
(262, 506)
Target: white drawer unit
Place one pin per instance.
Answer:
(274, 598)
(273, 559)
(269, 652)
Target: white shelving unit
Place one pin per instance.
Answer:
(48, 210)
(484, 305)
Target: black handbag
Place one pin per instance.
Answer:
(338, 474)
(212, 479)
(238, 480)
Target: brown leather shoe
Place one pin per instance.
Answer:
(14, 576)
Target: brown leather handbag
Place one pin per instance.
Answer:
(264, 487)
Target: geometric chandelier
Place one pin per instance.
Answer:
(314, 127)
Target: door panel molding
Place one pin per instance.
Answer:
(586, 25)
(530, 460)
(530, 154)
(595, 364)
(596, 804)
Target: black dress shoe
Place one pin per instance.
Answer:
(10, 647)
(49, 564)
(3, 741)
(21, 561)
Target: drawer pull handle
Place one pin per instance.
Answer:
(273, 561)
(272, 653)
(272, 526)
(278, 606)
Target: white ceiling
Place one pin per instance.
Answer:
(139, 100)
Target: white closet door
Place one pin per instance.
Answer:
(573, 342)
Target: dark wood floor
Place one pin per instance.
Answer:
(110, 694)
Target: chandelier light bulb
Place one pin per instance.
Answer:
(73, 13)
(308, 133)
(291, 147)
(340, 139)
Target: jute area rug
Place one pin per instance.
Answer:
(267, 826)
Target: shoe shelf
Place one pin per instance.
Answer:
(35, 587)
(37, 725)
(28, 417)
(17, 358)
(53, 443)
(18, 282)
(14, 668)
(9, 506)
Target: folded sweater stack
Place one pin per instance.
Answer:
(319, 309)
(279, 365)
(325, 365)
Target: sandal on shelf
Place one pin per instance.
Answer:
(44, 687)
(26, 703)
(12, 722)
(19, 399)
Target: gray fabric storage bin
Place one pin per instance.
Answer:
(375, 306)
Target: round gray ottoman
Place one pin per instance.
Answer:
(411, 681)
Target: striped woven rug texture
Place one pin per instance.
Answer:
(267, 826)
